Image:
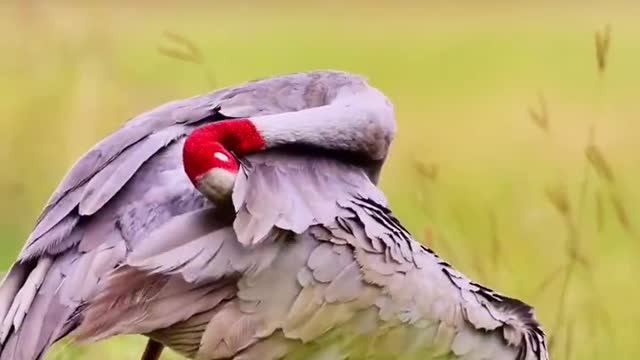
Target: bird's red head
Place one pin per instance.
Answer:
(202, 153)
(209, 147)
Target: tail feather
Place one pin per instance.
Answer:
(11, 284)
(136, 302)
(50, 309)
(44, 322)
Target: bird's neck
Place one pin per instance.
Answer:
(240, 136)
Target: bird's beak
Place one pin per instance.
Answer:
(217, 185)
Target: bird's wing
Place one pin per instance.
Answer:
(331, 201)
(198, 252)
(108, 166)
(121, 190)
(294, 194)
(352, 283)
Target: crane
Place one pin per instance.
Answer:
(246, 224)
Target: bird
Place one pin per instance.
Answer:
(247, 223)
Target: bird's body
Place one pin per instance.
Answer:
(310, 265)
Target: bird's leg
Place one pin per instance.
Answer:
(152, 351)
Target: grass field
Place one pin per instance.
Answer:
(549, 216)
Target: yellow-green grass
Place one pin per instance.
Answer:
(463, 79)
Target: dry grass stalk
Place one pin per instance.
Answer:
(562, 333)
(444, 249)
(575, 255)
(621, 212)
(585, 180)
(540, 116)
(568, 350)
(428, 171)
(562, 306)
(428, 237)
(181, 49)
(603, 42)
(599, 163)
(602, 314)
(496, 249)
(558, 196)
(599, 211)
(550, 279)
(441, 245)
(478, 266)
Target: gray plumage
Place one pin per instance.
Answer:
(310, 265)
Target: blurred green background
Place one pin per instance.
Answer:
(516, 157)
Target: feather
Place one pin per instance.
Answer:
(156, 302)
(11, 284)
(178, 231)
(273, 347)
(346, 286)
(306, 184)
(51, 235)
(45, 318)
(105, 184)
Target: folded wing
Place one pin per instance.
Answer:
(124, 188)
(350, 285)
